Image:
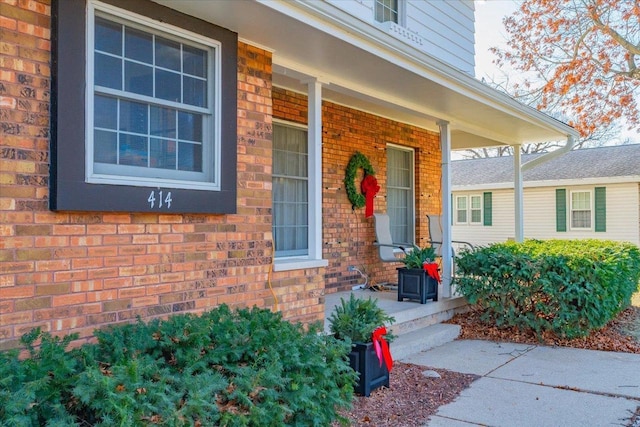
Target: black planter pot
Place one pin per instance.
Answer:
(415, 283)
(363, 359)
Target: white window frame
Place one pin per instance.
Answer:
(468, 209)
(210, 179)
(412, 174)
(472, 209)
(309, 179)
(591, 210)
(401, 13)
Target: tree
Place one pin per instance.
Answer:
(600, 136)
(580, 58)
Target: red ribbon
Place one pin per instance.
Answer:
(369, 188)
(382, 347)
(432, 270)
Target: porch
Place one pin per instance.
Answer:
(417, 326)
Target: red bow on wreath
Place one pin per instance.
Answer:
(369, 188)
(382, 347)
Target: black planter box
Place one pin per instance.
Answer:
(415, 283)
(364, 360)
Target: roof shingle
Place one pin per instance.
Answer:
(612, 161)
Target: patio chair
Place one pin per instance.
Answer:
(384, 242)
(435, 239)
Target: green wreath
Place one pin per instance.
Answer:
(358, 160)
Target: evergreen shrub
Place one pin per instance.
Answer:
(246, 367)
(569, 287)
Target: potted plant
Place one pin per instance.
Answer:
(419, 277)
(362, 322)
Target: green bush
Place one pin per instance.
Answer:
(569, 287)
(227, 368)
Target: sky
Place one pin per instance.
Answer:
(489, 33)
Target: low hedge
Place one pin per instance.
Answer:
(227, 368)
(569, 287)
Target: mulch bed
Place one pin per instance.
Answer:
(618, 335)
(412, 397)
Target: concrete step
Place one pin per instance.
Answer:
(417, 327)
(423, 339)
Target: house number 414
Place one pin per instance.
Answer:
(163, 200)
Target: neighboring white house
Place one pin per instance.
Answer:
(587, 193)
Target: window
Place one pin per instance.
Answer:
(473, 209)
(158, 86)
(400, 194)
(387, 10)
(153, 115)
(290, 191)
(461, 209)
(581, 209)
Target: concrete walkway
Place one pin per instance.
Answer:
(523, 385)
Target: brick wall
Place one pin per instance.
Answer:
(75, 272)
(347, 234)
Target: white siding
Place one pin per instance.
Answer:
(623, 216)
(442, 29)
(502, 227)
(447, 28)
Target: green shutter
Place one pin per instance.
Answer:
(561, 209)
(601, 209)
(488, 208)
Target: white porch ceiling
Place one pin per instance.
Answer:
(381, 75)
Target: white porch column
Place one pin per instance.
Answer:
(518, 194)
(447, 261)
(315, 167)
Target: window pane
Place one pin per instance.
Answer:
(105, 114)
(461, 203)
(168, 85)
(190, 157)
(138, 45)
(108, 71)
(138, 78)
(581, 219)
(290, 191)
(105, 147)
(400, 194)
(461, 216)
(475, 202)
(108, 37)
(162, 154)
(133, 117)
(476, 215)
(163, 122)
(386, 10)
(147, 132)
(195, 61)
(167, 54)
(581, 200)
(195, 92)
(133, 150)
(189, 126)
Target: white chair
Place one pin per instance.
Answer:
(384, 242)
(435, 239)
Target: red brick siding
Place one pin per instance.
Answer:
(347, 234)
(74, 272)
